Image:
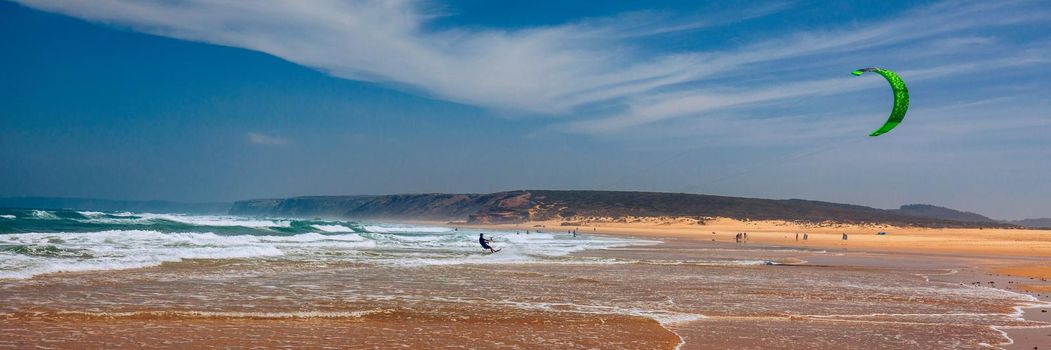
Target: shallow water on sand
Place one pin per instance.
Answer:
(632, 294)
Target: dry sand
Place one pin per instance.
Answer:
(970, 242)
(1038, 275)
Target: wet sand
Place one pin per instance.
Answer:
(1016, 258)
(412, 330)
(686, 292)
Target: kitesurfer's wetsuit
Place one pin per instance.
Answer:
(484, 242)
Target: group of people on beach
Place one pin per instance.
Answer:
(741, 237)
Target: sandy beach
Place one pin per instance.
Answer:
(1010, 259)
(1014, 252)
(967, 241)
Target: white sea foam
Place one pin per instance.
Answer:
(462, 247)
(723, 262)
(405, 229)
(197, 220)
(141, 245)
(332, 228)
(220, 220)
(112, 250)
(43, 214)
(664, 317)
(6, 216)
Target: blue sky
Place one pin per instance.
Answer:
(200, 101)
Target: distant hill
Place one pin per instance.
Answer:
(942, 213)
(114, 205)
(400, 206)
(528, 205)
(1033, 223)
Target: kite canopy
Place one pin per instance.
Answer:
(901, 98)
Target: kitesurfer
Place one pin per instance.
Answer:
(485, 242)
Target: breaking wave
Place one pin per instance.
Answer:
(34, 242)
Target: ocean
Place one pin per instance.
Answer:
(36, 241)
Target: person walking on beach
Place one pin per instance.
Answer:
(797, 236)
(485, 243)
(806, 236)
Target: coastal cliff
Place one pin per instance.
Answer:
(400, 206)
(534, 205)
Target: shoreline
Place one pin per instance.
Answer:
(998, 251)
(973, 242)
(682, 291)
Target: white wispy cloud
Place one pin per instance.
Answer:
(658, 107)
(562, 70)
(264, 139)
(547, 70)
(923, 32)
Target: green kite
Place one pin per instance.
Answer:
(901, 98)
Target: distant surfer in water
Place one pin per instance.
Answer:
(485, 243)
